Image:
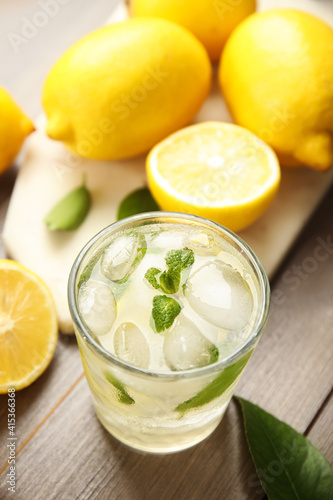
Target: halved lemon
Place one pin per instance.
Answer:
(216, 170)
(28, 326)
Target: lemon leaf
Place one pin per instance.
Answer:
(288, 465)
(69, 213)
(137, 202)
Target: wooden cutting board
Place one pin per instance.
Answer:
(49, 172)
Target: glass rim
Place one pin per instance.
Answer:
(230, 359)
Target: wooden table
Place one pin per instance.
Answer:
(62, 450)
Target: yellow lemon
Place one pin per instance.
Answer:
(124, 87)
(211, 21)
(14, 128)
(28, 326)
(276, 75)
(216, 170)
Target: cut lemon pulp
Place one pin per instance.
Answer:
(28, 326)
(216, 170)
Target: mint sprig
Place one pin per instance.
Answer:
(165, 310)
(168, 281)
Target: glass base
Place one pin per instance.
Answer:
(158, 440)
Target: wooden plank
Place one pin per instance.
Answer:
(321, 431)
(298, 337)
(34, 403)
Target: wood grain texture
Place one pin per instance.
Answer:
(321, 432)
(35, 402)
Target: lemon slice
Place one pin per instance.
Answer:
(28, 326)
(216, 170)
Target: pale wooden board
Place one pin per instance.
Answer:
(49, 172)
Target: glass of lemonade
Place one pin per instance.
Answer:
(167, 310)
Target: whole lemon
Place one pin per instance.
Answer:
(211, 21)
(123, 88)
(276, 74)
(14, 128)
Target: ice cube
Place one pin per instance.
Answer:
(185, 347)
(122, 256)
(97, 306)
(202, 243)
(220, 295)
(169, 239)
(131, 346)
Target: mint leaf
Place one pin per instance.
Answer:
(288, 465)
(137, 202)
(170, 279)
(185, 258)
(150, 276)
(217, 387)
(122, 393)
(165, 310)
(176, 261)
(214, 354)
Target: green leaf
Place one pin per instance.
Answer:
(151, 274)
(137, 202)
(122, 393)
(165, 310)
(69, 213)
(170, 279)
(176, 261)
(183, 257)
(288, 465)
(214, 354)
(217, 387)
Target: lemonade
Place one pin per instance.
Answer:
(167, 310)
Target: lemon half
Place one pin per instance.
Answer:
(216, 170)
(28, 326)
